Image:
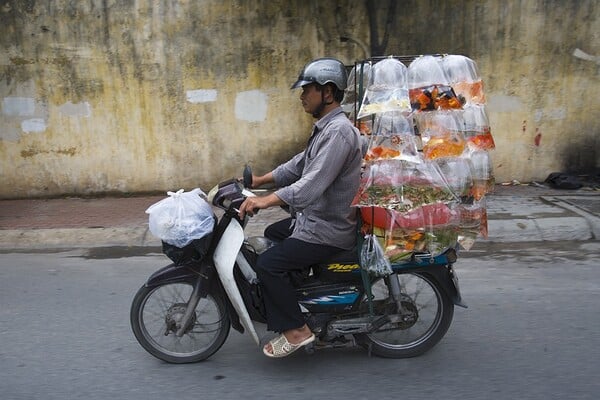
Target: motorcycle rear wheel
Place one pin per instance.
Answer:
(156, 312)
(434, 310)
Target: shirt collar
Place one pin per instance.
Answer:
(320, 124)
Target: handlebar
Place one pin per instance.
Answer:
(230, 194)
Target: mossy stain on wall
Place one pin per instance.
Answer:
(32, 152)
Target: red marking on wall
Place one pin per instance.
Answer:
(538, 138)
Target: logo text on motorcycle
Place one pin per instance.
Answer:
(336, 267)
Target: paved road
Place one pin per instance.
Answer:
(532, 331)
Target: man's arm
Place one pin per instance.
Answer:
(253, 204)
(258, 181)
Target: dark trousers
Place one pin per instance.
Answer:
(273, 269)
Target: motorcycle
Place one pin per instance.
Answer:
(184, 311)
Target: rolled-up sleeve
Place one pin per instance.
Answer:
(289, 172)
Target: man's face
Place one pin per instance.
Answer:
(310, 97)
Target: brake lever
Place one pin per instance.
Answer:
(247, 176)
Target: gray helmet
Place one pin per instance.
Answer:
(322, 71)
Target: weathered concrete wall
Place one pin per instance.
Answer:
(129, 96)
(542, 100)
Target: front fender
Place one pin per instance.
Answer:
(171, 273)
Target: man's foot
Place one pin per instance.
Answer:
(288, 342)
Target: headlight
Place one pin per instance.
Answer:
(227, 194)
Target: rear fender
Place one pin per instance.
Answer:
(444, 274)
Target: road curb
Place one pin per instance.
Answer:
(592, 220)
(539, 230)
(501, 231)
(20, 239)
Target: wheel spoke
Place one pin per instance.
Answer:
(161, 312)
(424, 298)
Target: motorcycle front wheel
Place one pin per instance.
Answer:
(426, 316)
(156, 314)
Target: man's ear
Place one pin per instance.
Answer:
(329, 92)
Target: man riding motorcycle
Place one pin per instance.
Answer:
(318, 185)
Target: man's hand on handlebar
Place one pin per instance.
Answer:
(251, 205)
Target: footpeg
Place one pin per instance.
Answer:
(310, 348)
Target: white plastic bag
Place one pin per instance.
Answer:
(372, 257)
(181, 217)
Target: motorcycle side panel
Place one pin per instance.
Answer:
(224, 258)
(329, 297)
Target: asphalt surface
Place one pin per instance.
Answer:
(516, 213)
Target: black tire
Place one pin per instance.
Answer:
(156, 308)
(435, 312)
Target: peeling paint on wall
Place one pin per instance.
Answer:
(201, 96)
(553, 114)
(9, 134)
(18, 106)
(33, 125)
(503, 103)
(76, 110)
(251, 106)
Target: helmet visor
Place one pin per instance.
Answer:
(302, 80)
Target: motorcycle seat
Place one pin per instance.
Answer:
(343, 266)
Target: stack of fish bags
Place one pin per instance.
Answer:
(427, 167)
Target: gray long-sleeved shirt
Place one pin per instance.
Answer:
(320, 183)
